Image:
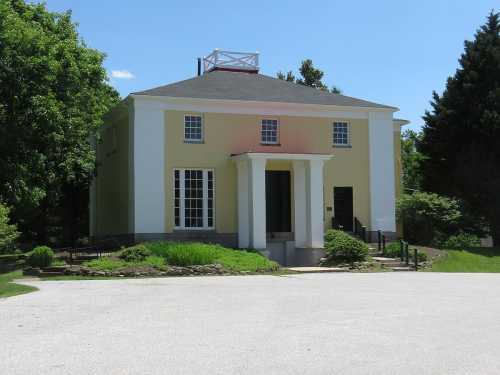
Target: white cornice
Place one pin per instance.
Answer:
(255, 107)
(280, 156)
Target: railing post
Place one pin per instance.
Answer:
(407, 254)
(383, 244)
(379, 241)
(401, 249)
(363, 231)
(415, 253)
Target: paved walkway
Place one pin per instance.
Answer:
(381, 323)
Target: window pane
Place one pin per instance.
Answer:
(269, 131)
(340, 133)
(192, 128)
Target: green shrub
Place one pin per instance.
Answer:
(186, 254)
(105, 264)
(41, 256)
(135, 253)
(342, 247)
(392, 250)
(426, 215)
(113, 264)
(8, 232)
(183, 253)
(461, 241)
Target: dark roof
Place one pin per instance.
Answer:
(253, 87)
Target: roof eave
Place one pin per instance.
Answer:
(267, 103)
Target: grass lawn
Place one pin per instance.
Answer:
(8, 289)
(163, 254)
(187, 254)
(470, 260)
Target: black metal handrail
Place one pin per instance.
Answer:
(404, 254)
(359, 229)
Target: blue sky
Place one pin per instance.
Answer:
(390, 52)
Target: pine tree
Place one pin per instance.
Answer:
(311, 76)
(461, 140)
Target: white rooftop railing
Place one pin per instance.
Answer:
(231, 60)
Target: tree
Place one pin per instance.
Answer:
(289, 76)
(8, 232)
(428, 217)
(460, 141)
(311, 77)
(411, 159)
(53, 94)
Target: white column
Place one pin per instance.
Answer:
(258, 203)
(243, 207)
(148, 168)
(300, 203)
(314, 195)
(382, 189)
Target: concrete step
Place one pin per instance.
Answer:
(403, 269)
(392, 263)
(316, 269)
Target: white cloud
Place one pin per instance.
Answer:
(122, 74)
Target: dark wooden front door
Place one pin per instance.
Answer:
(278, 216)
(342, 207)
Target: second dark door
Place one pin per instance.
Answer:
(342, 207)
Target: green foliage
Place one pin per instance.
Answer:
(411, 159)
(135, 253)
(41, 256)
(105, 264)
(114, 264)
(392, 250)
(187, 254)
(476, 260)
(344, 248)
(461, 241)
(8, 232)
(184, 254)
(53, 94)
(461, 132)
(426, 215)
(311, 77)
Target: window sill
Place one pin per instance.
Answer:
(342, 146)
(193, 142)
(270, 144)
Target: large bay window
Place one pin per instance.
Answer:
(194, 198)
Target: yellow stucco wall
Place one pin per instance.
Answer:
(226, 134)
(112, 175)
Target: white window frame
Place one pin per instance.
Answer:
(202, 134)
(277, 142)
(182, 198)
(348, 126)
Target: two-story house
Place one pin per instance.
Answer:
(245, 160)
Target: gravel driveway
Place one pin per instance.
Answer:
(381, 323)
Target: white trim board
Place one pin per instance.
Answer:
(255, 107)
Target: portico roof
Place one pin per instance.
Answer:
(280, 156)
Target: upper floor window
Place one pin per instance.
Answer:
(193, 129)
(341, 133)
(269, 131)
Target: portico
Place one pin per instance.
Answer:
(308, 207)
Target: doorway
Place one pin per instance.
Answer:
(278, 210)
(342, 207)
